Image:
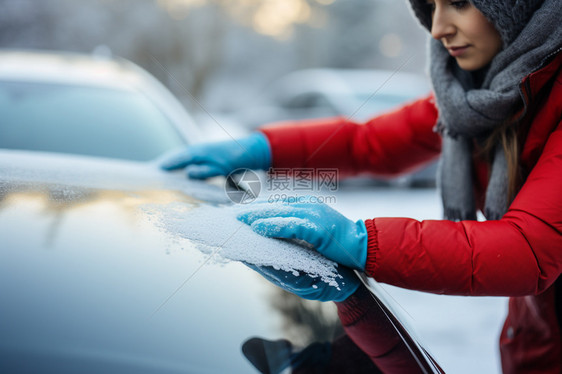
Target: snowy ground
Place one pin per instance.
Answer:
(460, 332)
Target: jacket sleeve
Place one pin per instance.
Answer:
(387, 145)
(521, 254)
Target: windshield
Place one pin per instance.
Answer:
(93, 121)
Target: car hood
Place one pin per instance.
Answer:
(93, 275)
(118, 267)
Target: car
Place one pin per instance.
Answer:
(94, 106)
(110, 265)
(357, 94)
(115, 266)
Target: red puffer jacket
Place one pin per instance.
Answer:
(518, 256)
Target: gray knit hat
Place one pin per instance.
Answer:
(509, 17)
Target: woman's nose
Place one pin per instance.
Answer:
(442, 24)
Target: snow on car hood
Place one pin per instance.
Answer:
(206, 219)
(216, 231)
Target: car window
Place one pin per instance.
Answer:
(306, 101)
(93, 121)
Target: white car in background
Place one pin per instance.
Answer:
(93, 106)
(357, 94)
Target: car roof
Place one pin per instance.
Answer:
(73, 68)
(365, 81)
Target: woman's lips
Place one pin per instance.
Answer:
(457, 51)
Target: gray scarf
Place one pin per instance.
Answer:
(470, 110)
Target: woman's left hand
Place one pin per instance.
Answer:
(329, 232)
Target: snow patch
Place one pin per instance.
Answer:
(216, 231)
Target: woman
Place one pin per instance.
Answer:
(496, 109)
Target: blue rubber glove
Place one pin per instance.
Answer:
(329, 232)
(221, 158)
(310, 288)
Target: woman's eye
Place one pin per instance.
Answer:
(460, 4)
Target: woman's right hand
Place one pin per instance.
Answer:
(221, 158)
(311, 288)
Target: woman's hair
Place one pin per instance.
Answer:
(508, 137)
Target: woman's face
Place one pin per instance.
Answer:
(468, 36)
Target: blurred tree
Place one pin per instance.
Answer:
(220, 52)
